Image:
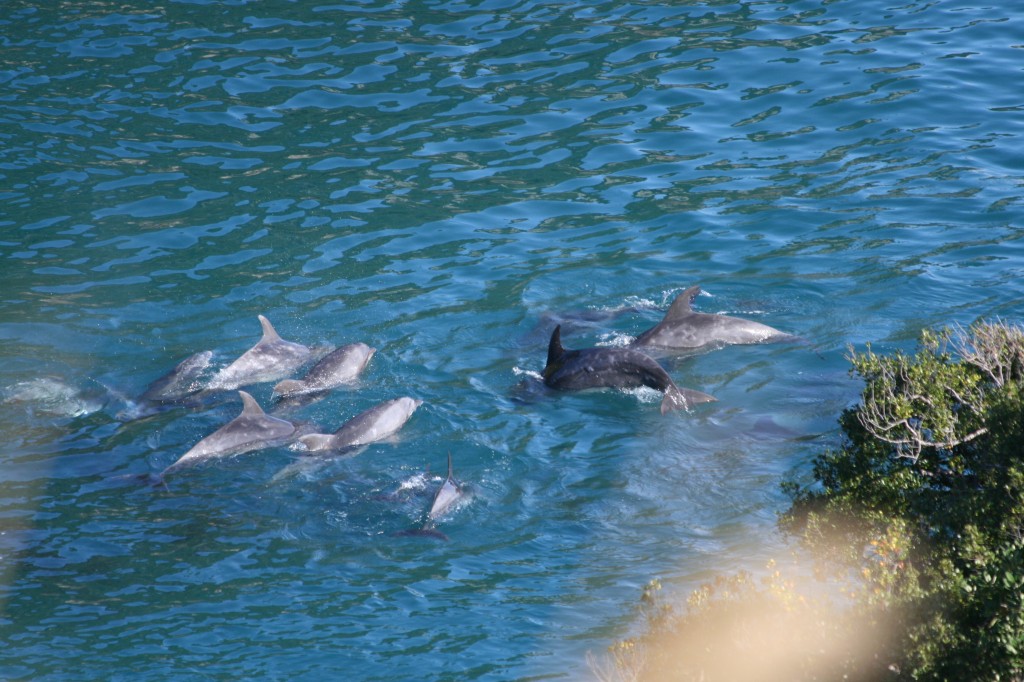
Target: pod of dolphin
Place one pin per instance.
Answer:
(273, 359)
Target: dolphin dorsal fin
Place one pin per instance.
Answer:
(555, 350)
(269, 333)
(449, 465)
(250, 408)
(681, 306)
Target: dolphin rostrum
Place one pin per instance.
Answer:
(339, 367)
(253, 429)
(573, 370)
(684, 329)
(370, 426)
(271, 359)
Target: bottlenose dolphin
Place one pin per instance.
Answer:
(445, 497)
(271, 359)
(572, 370)
(684, 329)
(253, 429)
(172, 389)
(370, 426)
(339, 367)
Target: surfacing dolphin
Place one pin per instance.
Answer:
(251, 430)
(445, 497)
(573, 370)
(339, 367)
(170, 390)
(369, 426)
(683, 329)
(271, 359)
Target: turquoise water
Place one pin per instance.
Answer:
(436, 179)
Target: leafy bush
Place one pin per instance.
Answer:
(918, 515)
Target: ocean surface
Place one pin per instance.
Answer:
(446, 181)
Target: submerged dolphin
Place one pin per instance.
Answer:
(573, 370)
(370, 426)
(684, 329)
(173, 388)
(253, 429)
(271, 359)
(450, 492)
(341, 366)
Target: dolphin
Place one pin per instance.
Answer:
(683, 329)
(573, 370)
(370, 426)
(53, 396)
(450, 492)
(171, 389)
(253, 429)
(271, 359)
(339, 367)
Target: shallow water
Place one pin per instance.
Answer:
(437, 180)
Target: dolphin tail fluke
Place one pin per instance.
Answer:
(683, 399)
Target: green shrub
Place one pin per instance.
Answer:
(917, 516)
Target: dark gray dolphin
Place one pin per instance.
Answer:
(369, 426)
(573, 370)
(684, 329)
(341, 366)
(251, 430)
(171, 389)
(271, 359)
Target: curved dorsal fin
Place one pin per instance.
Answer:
(250, 408)
(555, 350)
(681, 306)
(269, 333)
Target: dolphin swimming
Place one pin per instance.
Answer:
(684, 329)
(171, 389)
(253, 429)
(445, 497)
(370, 426)
(271, 359)
(339, 367)
(573, 370)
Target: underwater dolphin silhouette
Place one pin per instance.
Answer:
(172, 389)
(573, 370)
(684, 329)
(272, 358)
